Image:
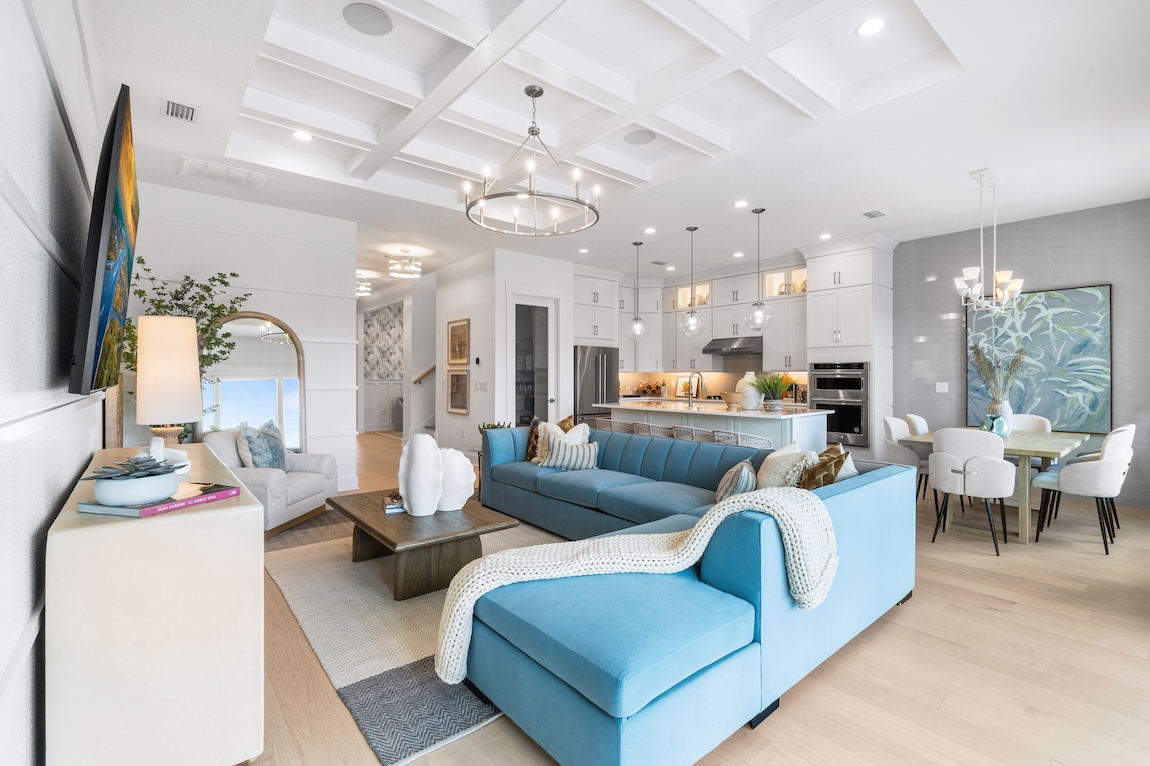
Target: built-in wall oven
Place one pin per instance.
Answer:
(843, 387)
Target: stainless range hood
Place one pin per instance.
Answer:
(734, 346)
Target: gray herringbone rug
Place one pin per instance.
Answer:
(377, 651)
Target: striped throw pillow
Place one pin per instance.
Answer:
(741, 478)
(570, 457)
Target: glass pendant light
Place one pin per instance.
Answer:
(638, 329)
(692, 323)
(759, 315)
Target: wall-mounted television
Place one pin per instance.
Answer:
(107, 270)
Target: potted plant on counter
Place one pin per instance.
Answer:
(772, 387)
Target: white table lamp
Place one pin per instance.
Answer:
(167, 377)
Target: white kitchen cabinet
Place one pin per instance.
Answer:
(845, 317)
(627, 300)
(679, 298)
(729, 321)
(590, 291)
(627, 347)
(852, 268)
(650, 300)
(792, 281)
(785, 339)
(649, 351)
(595, 324)
(668, 342)
(729, 291)
(689, 350)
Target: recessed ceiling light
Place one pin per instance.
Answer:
(738, 255)
(741, 203)
(670, 268)
(368, 19)
(649, 230)
(639, 137)
(824, 236)
(582, 249)
(301, 135)
(870, 27)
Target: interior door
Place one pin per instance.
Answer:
(534, 364)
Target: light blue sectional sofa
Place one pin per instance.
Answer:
(638, 669)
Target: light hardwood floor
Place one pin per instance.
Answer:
(1041, 656)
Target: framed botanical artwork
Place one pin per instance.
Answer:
(1066, 376)
(685, 385)
(458, 399)
(458, 341)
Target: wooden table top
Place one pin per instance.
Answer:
(401, 531)
(1054, 444)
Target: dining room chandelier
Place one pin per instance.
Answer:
(759, 315)
(972, 286)
(542, 208)
(270, 333)
(692, 323)
(638, 329)
(404, 267)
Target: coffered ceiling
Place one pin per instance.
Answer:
(779, 103)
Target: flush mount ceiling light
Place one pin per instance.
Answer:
(368, 19)
(405, 267)
(531, 212)
(637, 330)
(692, 322)
(649, 230)
(970, 286)
(870, 27)
(362, 285)
(759, 315)
(301, 135)
(639, 137)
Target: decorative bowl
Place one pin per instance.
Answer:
(732, 398)
(149, 489)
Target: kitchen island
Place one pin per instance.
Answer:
(807, 427)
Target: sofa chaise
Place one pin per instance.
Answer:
(638, 669)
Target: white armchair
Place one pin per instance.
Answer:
(288, 497)
(966, 462)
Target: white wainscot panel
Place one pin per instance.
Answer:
(380, 407)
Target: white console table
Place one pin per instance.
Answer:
(154, 630)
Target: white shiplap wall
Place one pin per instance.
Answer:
(50, 135)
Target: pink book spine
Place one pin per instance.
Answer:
(175, 505)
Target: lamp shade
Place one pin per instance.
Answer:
(167, 371)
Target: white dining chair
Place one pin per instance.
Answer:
(1100, 479)
(1117, 442)
(917, 425)
(968, 462)
(1028, 422)
(897, 429)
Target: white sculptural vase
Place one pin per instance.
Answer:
(752, 398)
(458, 480)
(433, 479)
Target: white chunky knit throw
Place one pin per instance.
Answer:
(808, 548)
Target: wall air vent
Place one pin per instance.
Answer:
(225, 174)
(659, 263)
(874, 214)
(185, 112)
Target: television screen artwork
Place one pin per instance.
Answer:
(108, 262)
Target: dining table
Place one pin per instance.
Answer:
(1047, 446)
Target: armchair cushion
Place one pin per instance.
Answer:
(263, 448)
(303, 484)
(312, 463)
(223, 444)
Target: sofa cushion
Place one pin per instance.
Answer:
(620, 640)
(302, 485)
(522, 473)
(647, 502)
(583, 487)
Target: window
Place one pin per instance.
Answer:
(229, 401)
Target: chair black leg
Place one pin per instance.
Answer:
(763, 715)
(962, 504)
(935, 492)
(1106, 518)
(1113, 511)
(1102, 525)
(941, 514)
(1057, 503)
(993, 533)
(1002, 513)
(1043, 509)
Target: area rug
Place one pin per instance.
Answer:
(378, 651)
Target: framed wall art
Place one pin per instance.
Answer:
(1067, 374)
(458, 396)
(458, 341)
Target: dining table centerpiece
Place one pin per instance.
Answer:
(773, 387)
(998, 373)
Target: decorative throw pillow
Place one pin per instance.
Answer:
(787, 450)
(568, 456)
(740, 479)
(579, 434)
(848, 470)
(536, 443)
(784, 470)
(264, 448)
(824, 472)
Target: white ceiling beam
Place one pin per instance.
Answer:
(782, 24)
(466, 21)
(675, 117)
(293, 114)
(506, 37)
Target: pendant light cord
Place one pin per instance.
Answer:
(692, 229)
(759, 249)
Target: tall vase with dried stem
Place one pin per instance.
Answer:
(998, 374)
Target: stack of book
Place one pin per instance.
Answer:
(189, 493)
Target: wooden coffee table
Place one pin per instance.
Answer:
(429, 550)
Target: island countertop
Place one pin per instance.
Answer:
(711, 407)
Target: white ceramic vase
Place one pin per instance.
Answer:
(751, 397)
(458, 480)
(150, 489)
(421, 475)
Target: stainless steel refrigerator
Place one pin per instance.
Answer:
(596, 380)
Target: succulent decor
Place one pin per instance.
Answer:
(998, 374)
(774, 385)
(484, 426)
(132, 468)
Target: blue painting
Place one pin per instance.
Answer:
(1067, 373)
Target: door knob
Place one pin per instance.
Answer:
(551, 401)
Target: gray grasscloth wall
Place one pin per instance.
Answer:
(49, 141)
(1105, 245)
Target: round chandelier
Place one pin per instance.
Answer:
(759, 315)
(638, 327)
(271, 333)
(405, 267)
(545, 209)
(692, 323)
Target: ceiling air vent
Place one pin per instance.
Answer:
(225, 174)
(185, 112)
(874, 214)
(659, 263)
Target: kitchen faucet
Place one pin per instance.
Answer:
(690, 390)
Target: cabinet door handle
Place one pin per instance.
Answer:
(620, 364)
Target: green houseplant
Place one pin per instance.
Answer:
(772, 387)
